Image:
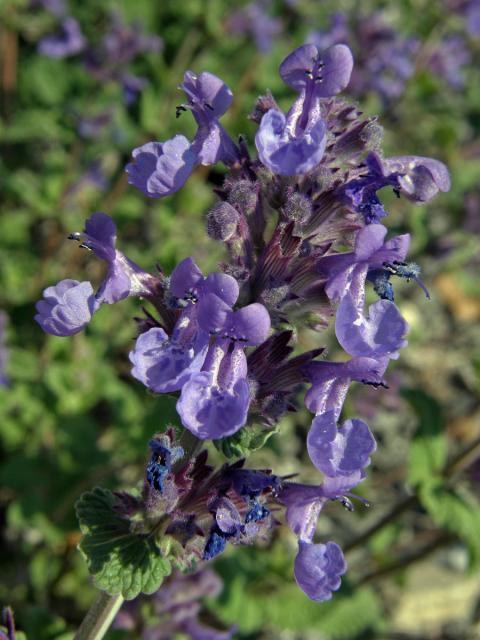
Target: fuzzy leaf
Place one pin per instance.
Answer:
(248, 439)
(119, 560)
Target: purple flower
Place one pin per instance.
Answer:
(318, 75)
(68, 42)
(331, 380)
(66, 308)
(165, 364)
(339, 451)
(214, 403)
(379, 335)
(318, 568)
(208, 99)
(420, 179)
(295, 144)
(361, 193)
(285, 153)
(123, 277)
(161, 462)
(346, 272)
(188, 283)
(161, 168)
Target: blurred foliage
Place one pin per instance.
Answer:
(72, 417)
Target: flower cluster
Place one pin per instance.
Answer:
(107, 61)
(301, 222)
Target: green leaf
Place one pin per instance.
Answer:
(429, 448)
(119, 560)
(345, 616)
(248, 439)
(456, 513)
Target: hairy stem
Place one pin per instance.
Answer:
(99, 617)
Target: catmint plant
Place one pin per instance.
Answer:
(301, 221)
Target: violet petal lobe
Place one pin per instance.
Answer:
(164, 365)
(340, 451)
(318, 569)
(66, 308)
(210, 412)
(381, 334)
(161, 168)
(207, 92)
(285, 154)
(329, 72)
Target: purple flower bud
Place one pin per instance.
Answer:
(318, 568)
(68, 42)
(161, 168)
(339, 452)
(379, 335)
(222, 221)
(66, 308)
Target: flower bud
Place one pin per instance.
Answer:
(222, 221)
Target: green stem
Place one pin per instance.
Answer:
(99, 617)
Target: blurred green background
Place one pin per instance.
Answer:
(71, 417)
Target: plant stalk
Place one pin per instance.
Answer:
(99, 617)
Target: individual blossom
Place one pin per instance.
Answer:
(214, 402)
(66, 308)
(294, 144)
(420, 179)
(361, 192)
(68, 42)
(165, 363)
(347, 272)
(161, 168)
(124, 277)
(208, 98)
